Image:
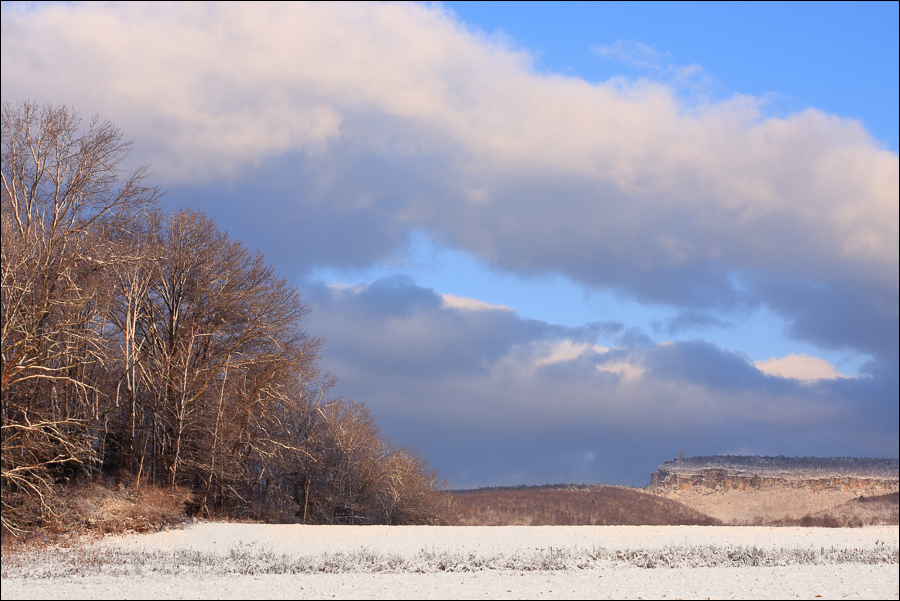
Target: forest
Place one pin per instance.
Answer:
(151, 351)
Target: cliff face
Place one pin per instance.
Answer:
(753, 490)
(719, 479)
(725, 473)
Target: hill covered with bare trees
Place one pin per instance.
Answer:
(569, 505)
(153, 350)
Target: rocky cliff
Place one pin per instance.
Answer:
(746, 473)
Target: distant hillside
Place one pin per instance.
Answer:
(779, 490)
(860, 511)
(562, 505)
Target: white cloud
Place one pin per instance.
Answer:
(522, 362)
(614, 184)
(799, 367)
(564, 350)
(470, 304)
(341, 287)
(629, 372)
(634, 53)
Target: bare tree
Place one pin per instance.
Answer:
(63, 198)
(410, 492)
(211, 331)
(156, 345)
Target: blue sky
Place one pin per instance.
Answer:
(836, 56)
(547, 241)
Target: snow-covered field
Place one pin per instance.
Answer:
(218, 560)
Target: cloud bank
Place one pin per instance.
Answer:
(453, 380)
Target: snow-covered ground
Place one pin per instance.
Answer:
(217, 560)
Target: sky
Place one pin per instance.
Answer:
(545, 242)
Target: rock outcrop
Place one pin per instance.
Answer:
(778, 490)
(746, 473)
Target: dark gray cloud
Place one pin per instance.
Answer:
(839, 314)
(704, 363)
(491, 398)
(400, 330)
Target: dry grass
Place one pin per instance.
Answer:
(572, 506)
(86, 560)
(881, 510)
(100, 507)
(114, 509)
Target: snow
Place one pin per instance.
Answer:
(403, 550)
(315, 540)
(788, 468)
(617, 583)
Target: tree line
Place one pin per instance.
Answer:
(152, 344)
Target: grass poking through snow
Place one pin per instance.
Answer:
(54, 562)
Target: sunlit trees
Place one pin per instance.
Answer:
(153, 344)
(64, 199)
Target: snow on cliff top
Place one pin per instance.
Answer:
(794, 468)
